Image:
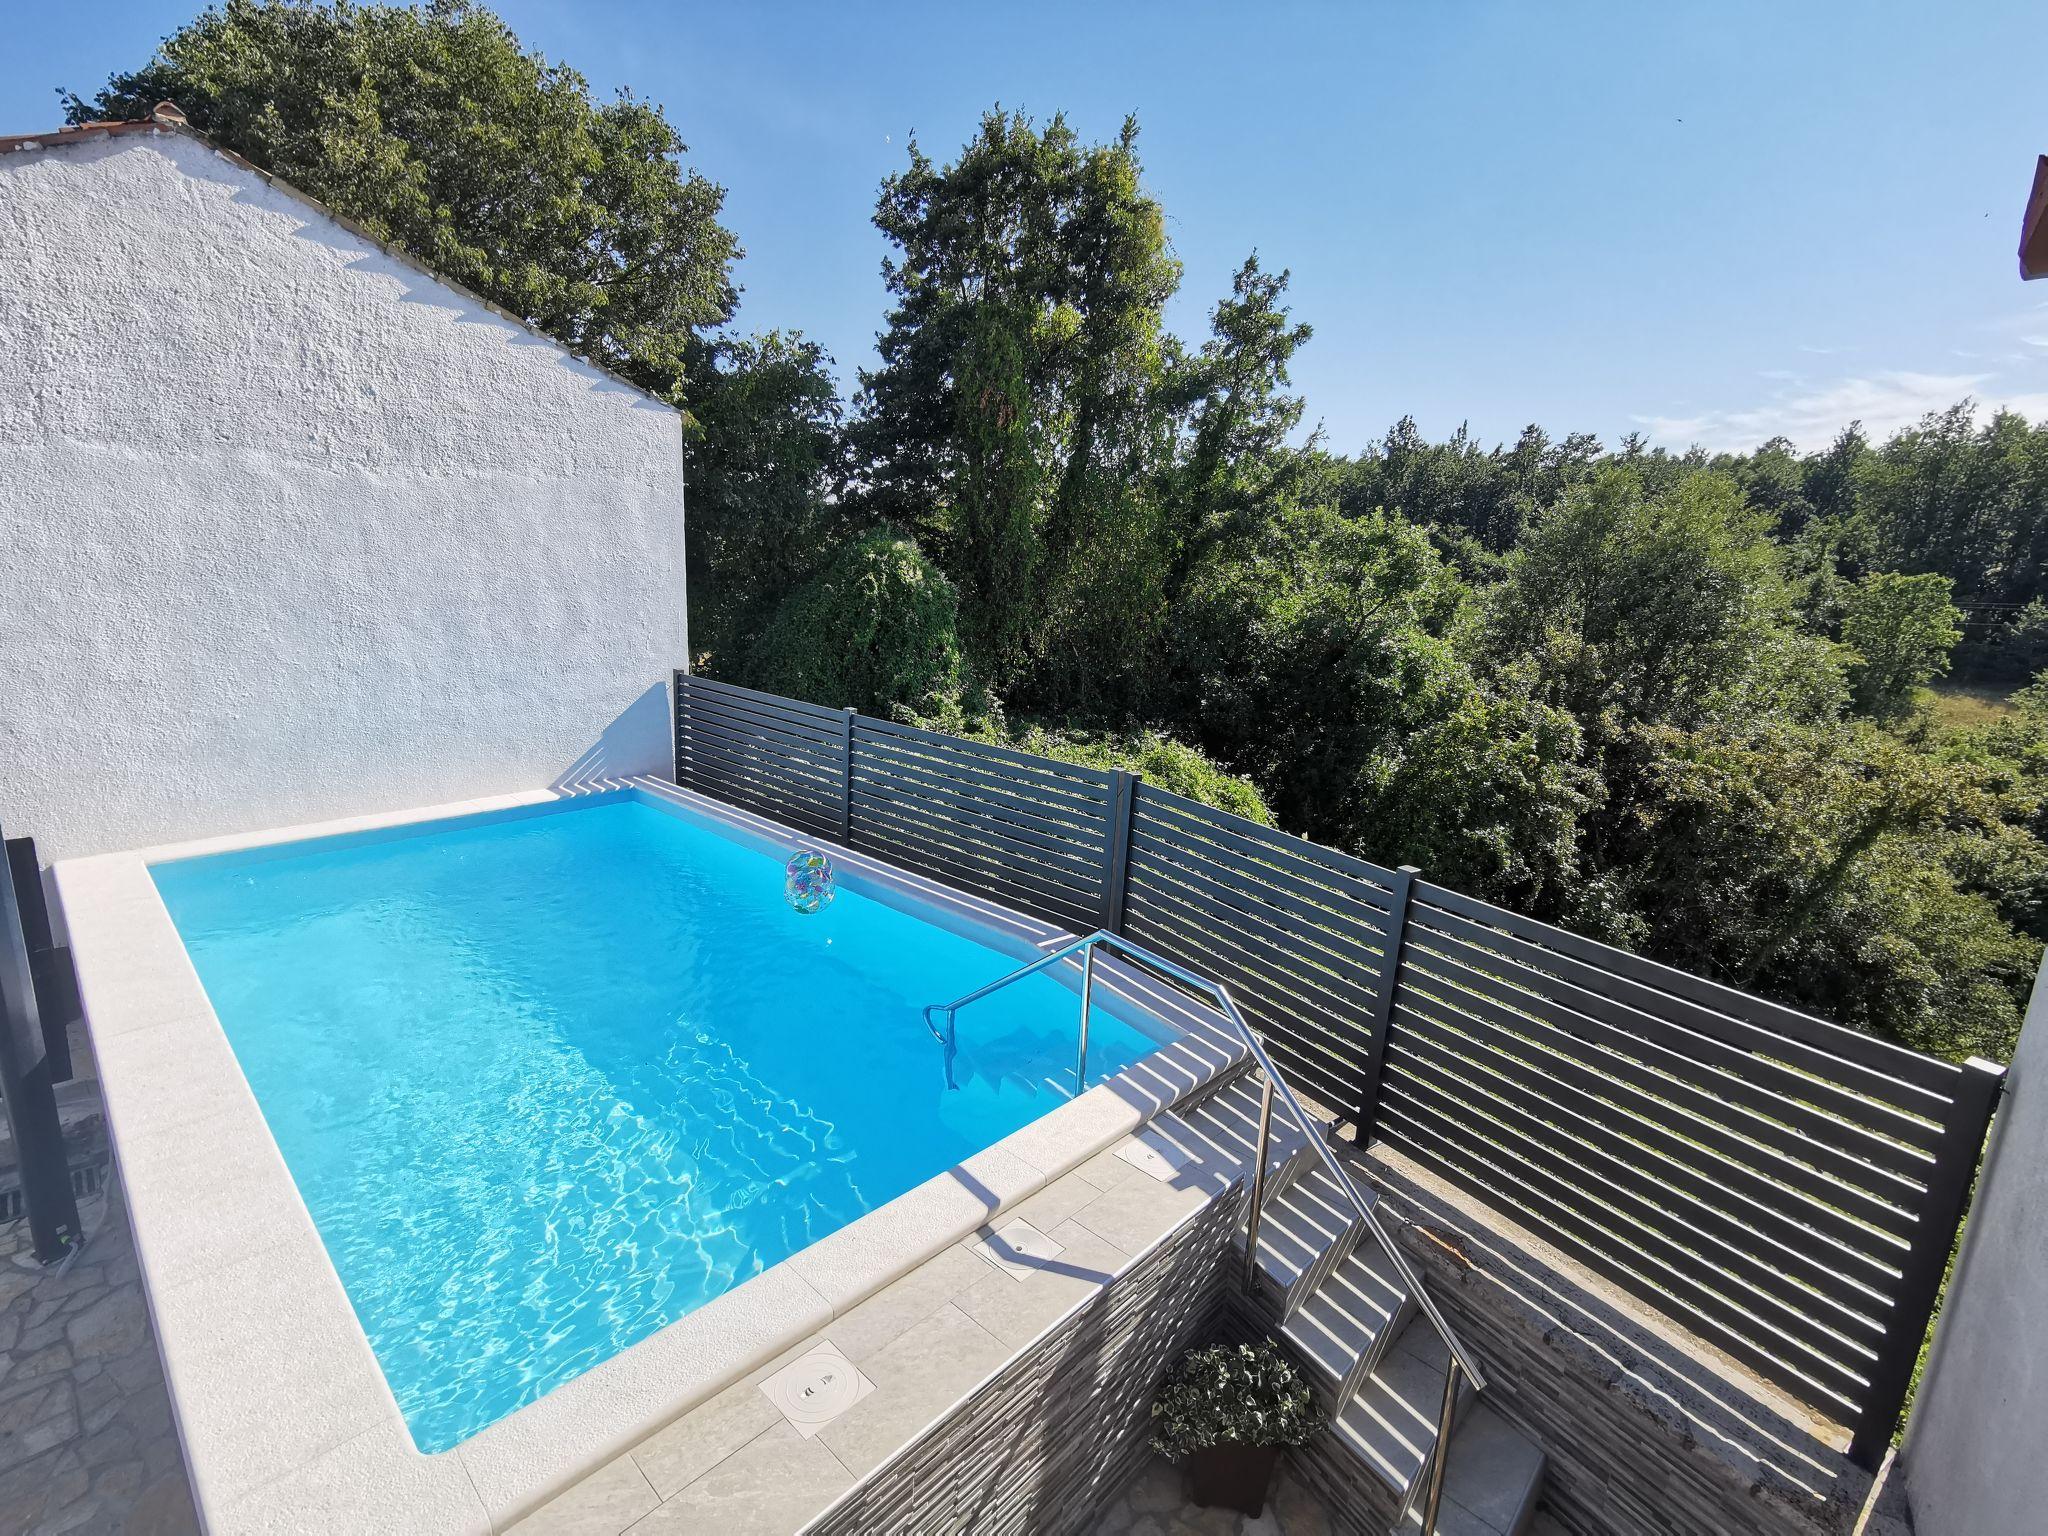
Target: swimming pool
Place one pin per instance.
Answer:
(550, 1079)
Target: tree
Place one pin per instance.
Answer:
(1014, 421)
(1900, 630)
(433, 129)
(763, 467)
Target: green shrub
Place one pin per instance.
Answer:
(876, 627)
(1162, 762)
(1239, 1394)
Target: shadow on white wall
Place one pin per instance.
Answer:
(635, 742)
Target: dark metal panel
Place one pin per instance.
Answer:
(1348, 942)
(1086, 781)
(1948, 1201)
(1072, 848)
(1225, 825)
(29, 1093)
(1660, 1190)
(999, 853)
(1705, 1106)
(1802, 1205)
(1050, 795)
(1319, 881)
(1817, 1106)
(1833, 1040)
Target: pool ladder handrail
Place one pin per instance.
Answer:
(1274, 1084)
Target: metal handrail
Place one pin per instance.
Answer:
(1460, 1360)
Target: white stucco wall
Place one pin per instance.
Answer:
(1976, 1449)
(289, 530)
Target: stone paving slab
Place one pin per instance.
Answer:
(86, 1439)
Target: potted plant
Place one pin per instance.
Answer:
(1229, 1410)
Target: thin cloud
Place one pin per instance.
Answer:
(1812, 418)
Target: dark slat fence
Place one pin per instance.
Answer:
(1787, 1188)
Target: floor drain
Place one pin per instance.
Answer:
(1019, 1249)
(1150, 1152)
(816, 1388)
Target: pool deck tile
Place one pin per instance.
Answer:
(216, 1196)
(676, 1455)
(603, 1504)
(1016, 1311)
(361, 1485)
(776, 1483)
(611, 1407)
(848, 1266)
(894, 1310)
(267, 1357)
(1139, 1210)
(917, 1377)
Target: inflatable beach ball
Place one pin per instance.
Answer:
(807, 880)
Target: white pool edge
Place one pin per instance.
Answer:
(274, 1385)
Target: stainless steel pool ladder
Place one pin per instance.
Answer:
(1275, 1086)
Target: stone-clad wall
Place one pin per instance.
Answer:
(1640, 1437)
(1047, 1443)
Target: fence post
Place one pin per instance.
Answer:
(1945, 1204)
(1116, 848)
(49, 963)
(30, 1096)
(1383, 1003)
(847, 719)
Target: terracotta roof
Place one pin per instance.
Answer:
(165, 117)
(2034, 227)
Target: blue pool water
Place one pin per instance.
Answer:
(550, 1081)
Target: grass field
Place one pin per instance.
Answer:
(1965, 706)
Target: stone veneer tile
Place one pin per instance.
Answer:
(917, 1378)
(774, 1484)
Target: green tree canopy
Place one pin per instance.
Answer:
(432, 128)
(1900, 630)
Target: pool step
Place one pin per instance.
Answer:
(1492, 1482)
(1344, 1328)
(1228, 1121)
(1304, 1234)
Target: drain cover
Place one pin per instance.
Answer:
(1150, 1152)
(1019, 1249)
(816, 1388)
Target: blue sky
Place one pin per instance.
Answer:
(1705, 222)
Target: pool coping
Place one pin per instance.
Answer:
(275, 1387)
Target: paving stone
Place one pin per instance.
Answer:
(37, 1421)
(111, 1326)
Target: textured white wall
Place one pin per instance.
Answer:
(1974, 1446)
(289, 530)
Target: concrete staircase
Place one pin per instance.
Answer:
(1342, 1309)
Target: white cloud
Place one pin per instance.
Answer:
(1812, 417)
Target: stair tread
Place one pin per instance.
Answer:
(1230, 1119)
(1391, 1420)
(1492, 1480)
(1349, 1313)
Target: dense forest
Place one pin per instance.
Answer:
(1674, 701)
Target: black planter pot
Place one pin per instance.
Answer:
(1232, 1476)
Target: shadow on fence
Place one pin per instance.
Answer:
(1786, 1188)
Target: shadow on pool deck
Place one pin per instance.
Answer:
(86, 1438)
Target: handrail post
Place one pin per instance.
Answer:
(1383, 1004)
(1258, 1199)
(1440, 1454)
(1087, 998)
